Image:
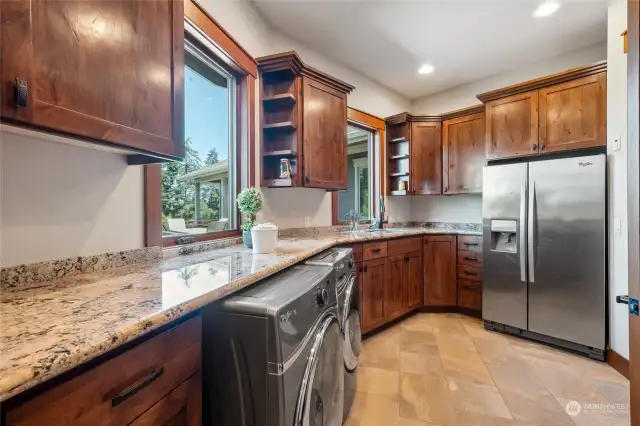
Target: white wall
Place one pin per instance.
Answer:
(449, 208)
(465, 96)
(469, 208)
(62, 201)
(617, 168)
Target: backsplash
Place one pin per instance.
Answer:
(32, 274)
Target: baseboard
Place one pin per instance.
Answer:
(618, 362)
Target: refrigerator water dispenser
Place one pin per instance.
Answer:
(503, 236)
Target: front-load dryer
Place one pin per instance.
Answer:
(348, 295)
(273, 354)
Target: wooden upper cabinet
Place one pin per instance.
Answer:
(512, 126)
(105, 70)
(426, 158)
(303, 120)
(325, 136)
(573, 115)
(463, 154)
(559, 112)
(439, 262)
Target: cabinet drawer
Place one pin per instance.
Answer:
(404, 245)
(471, 243)
(375, 250)
(468, 257)
(473, 273)
(470, 294)
(122, 388)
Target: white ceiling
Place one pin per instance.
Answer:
(465, 40)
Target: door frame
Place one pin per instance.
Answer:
(633, 200)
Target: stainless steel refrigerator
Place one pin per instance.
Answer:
(544, 261)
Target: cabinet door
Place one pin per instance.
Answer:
(375, 272)
(182, 407)
(394, 305)
(426, 158)
(110, 70)
(413, 290)
(573, 115)
(512, 126)
(325, 136)
(470, 294)
(440, 287)
(463, 154)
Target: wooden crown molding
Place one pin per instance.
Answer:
(291, 61)
(476, 109)
(539, 83)
(405, 117)
(365, 118)
(236, 53)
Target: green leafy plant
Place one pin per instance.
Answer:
(249, 204)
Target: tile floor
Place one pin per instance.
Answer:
(446, 369)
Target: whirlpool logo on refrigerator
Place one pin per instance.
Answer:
(585, 163)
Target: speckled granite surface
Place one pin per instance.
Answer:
(49, 329)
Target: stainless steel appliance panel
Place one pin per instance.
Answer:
(566, 249)
(504, 270)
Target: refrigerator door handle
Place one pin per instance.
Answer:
(532, 232)
(522, 241)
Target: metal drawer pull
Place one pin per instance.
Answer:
(470, 258)
(470, 273)
(137, 386)
(376, 250)
(470, 244)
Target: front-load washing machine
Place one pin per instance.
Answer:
(347, 289)
(273, 353)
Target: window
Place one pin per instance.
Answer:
(365, 151)
(358, 197)
(198, 194)
(194, 200)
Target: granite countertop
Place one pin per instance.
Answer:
(51, 328)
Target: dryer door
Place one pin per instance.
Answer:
(351, 326)
(321, 398)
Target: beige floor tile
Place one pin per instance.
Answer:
(475, 398)
(446, 370)
(425, 398)
(411, 422)
(425, 362)
(381, 352)
(373, 410)
(377, 381)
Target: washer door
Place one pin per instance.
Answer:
(351, 326)
(321, 398)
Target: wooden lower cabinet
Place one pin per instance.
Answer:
(470, 294)
(440, 287)
(374, 273)
(394, 303)
(182, 407)
(413, 284)
(154, 383)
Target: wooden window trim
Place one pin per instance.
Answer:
(245, 69)
(373, 124)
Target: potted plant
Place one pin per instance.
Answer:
(250, 204)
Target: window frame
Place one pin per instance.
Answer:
(376, 125)
(245, 70)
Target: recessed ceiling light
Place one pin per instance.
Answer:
(546, 9)
(426, 69)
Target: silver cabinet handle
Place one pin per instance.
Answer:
(522, 239)
(532, 232)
